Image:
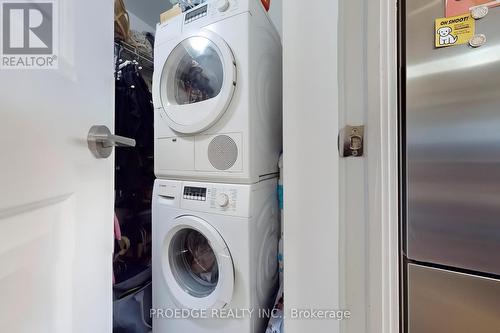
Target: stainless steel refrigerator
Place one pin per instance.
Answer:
(450, 149)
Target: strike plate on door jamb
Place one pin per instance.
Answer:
(351, 141)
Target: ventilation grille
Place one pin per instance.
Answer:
(222, 152)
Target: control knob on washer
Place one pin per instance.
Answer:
(222, 199)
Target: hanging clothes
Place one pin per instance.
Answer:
(134, 169)
(134, 174)
(134, 178)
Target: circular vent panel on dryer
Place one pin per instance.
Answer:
(222, 152)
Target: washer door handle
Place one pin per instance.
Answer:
(101, 141)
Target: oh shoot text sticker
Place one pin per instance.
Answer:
(455, 30)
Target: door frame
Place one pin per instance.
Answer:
(369, 208)
(383, 166)
(362, 204)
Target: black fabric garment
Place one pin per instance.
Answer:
(134, 174)
(132, 301)
(134, 178)
(151, 39)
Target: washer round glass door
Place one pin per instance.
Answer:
(197, 265)
(197, 82)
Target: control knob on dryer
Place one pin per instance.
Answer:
(222, 199)
(222, 5)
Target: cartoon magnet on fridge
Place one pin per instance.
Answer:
(452, 31)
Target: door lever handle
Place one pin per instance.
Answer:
(101, 141)
(111, 140)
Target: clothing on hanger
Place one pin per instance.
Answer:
(134, 118)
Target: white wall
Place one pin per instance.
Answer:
(276, 14)
(146, 13)
(138, 24)
(311, 162)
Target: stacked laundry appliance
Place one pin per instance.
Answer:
(218, 136)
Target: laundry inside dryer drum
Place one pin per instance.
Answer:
(194, 263)
(199, 75)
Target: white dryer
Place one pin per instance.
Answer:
(214, 253)
(217, 92)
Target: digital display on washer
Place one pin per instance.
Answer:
(195, 193)
(196, 14)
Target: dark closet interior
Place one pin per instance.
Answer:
(134, 178)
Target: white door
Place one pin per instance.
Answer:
(56, 198)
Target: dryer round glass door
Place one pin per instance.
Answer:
(197, 265)
(197, 82)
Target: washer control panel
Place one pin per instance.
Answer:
(195, 193)
(216, 198)
(223, 198)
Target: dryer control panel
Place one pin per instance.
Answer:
(213, 10)
(196, 14)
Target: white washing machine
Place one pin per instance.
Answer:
(215, 266)
(217, 92)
